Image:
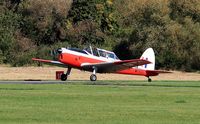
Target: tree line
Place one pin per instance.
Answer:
(32, 28)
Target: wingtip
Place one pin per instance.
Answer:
(35, 59)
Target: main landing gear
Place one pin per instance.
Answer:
(149, 79)
(64, 76)
(93, 76)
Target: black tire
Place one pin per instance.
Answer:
(93, 77)
(63, 77)
(149, 80)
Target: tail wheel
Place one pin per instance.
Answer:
(63, 77)
(93, 77)
(149, 80)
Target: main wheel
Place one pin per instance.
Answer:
(93, 77)
(63, 77)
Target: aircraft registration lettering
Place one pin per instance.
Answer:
(145, 66)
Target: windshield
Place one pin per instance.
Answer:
(111, 55)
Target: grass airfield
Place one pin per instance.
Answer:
(107, 102)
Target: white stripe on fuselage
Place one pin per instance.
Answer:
(64, 50)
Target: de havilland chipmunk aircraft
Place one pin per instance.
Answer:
(98, 60)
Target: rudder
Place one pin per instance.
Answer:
(150, 56)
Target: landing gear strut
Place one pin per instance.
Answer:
(93, 76)
(149, 79)
(64, 76)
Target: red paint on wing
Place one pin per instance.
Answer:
(136, 71)
(133, 71)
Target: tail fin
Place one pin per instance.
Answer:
(150, 56)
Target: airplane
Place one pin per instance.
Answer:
(98, 60)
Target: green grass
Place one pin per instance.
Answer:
(109, 102)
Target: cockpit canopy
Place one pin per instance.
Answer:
(101, 53)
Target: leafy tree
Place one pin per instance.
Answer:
(101, 11)
(9, 23)
(183, 8)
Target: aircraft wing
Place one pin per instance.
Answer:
(109, 67)
(51, 62)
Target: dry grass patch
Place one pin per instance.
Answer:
(48, 73)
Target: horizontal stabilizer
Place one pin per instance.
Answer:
(155, 72)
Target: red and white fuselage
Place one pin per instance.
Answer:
(103, 61)
(77, 59)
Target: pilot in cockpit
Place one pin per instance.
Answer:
(95, 52)
(102, 53)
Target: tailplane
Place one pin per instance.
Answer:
(150, 56)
